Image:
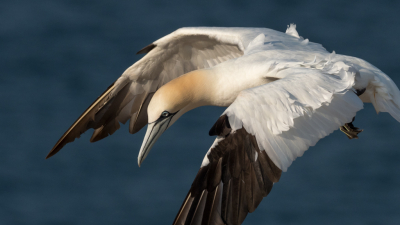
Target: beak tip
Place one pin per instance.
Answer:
(154, 130)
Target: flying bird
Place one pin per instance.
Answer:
(283, 93)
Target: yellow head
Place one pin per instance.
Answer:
(169, 103)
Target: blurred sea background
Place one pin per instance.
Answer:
(56, 57)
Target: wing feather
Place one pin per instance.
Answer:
(293, 113)
(233, 183)
(166, 59)
(83, 122)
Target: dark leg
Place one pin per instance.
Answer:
(350, 130)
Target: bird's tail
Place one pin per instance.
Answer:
(381, 91)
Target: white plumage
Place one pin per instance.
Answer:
(269, 111)
(283, 93)
(311, 80)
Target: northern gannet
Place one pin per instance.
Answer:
(282, 92)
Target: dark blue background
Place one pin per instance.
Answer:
(56, 57)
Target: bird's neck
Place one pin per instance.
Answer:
(192, 90)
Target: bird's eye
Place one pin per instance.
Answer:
(165, 114)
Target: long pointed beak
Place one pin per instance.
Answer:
(154, 131)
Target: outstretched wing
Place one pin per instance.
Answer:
(178, 53)
(259, 136)
(289, 115)
(234, 178)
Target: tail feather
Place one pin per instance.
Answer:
(384, 95)
(381, 91)
(389, 106)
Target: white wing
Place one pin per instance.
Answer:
(291, 114)
(180, 52)
(167, 58)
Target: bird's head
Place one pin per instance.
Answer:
(169, 103)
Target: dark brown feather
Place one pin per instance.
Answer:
(209, 206)
(234, 204)
(243, 208)
(234, 182)
(105, 122)
(226, 193)
(199, 210)
(221, 127)
(146, 49)
(214, 175)
(215, 217)
(141, 118)
(82, 123)
(103, 116)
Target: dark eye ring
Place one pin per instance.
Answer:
(165, 114)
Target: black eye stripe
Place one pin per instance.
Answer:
(162, 117)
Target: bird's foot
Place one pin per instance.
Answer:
(350, 130)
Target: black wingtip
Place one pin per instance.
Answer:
(51, 153)
(146, 49)
(221, 127)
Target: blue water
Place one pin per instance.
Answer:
(56, 57)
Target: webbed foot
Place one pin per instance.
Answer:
(350, 130)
